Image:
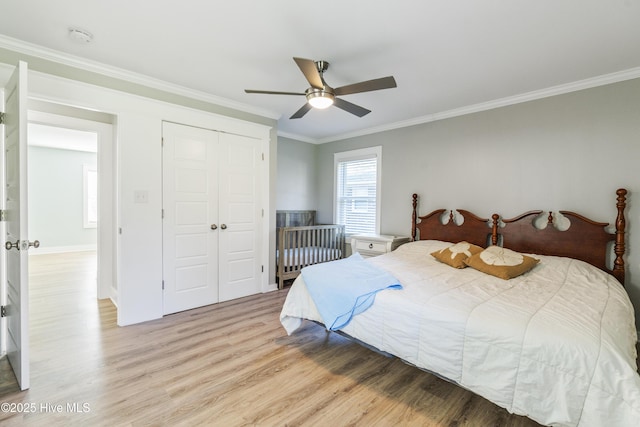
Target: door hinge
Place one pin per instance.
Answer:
(3, 215)
(1, 118)
(3, 311)
(162, 216)
(163, 285)
(263, 268)
(262, 156)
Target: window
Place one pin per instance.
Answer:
(90, 196)
(357, 190)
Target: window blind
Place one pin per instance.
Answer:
(356, 195)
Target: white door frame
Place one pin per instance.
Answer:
(106, 286)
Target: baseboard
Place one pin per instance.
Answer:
(115, 303)
(271, 287)
(62, 249)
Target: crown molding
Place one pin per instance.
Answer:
(297, 137)
(30, 49)
(605, 79)
(136, 78)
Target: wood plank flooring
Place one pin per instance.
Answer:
(229, 364)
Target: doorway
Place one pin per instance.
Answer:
(80, 140)
(54, 130)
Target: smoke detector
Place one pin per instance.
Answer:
(80, 36)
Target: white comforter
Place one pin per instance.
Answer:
(556, 344)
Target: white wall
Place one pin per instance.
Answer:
(568, 152)
(138, 135)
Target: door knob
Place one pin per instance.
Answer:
(8, 246)
(214, 227)
(25, 245)
(223, 226)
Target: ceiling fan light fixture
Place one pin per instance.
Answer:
(320, 99)
(320, 95)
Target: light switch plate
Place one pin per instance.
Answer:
(141, 196)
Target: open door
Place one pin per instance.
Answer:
(16, 244)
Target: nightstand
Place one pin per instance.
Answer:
(375, 244)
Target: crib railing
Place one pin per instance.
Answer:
(299, 247)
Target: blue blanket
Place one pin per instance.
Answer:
(341, 289)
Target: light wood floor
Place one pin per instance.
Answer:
(228, 364)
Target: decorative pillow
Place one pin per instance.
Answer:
(501, 262)
(455, 255)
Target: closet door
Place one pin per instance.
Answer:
(240, 169)
(190, 217)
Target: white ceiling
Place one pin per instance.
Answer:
(447, 56)
(61, 137)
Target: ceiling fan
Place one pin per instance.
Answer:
(321, 95)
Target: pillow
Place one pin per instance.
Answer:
(455, 255)
(501, 262)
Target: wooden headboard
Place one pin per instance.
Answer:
(585, 239)
(473, 230)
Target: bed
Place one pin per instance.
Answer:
(300, 243)
(555, 344)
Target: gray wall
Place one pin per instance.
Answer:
(296, 182)
(56, 198)
(568, 152)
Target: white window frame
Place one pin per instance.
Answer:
(86, 199)
(359, 154)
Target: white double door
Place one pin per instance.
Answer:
(212, 216)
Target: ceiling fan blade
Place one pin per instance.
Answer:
(369, 85)
(271, 92)
(351, 108)
(302, 111)
(310, 71)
